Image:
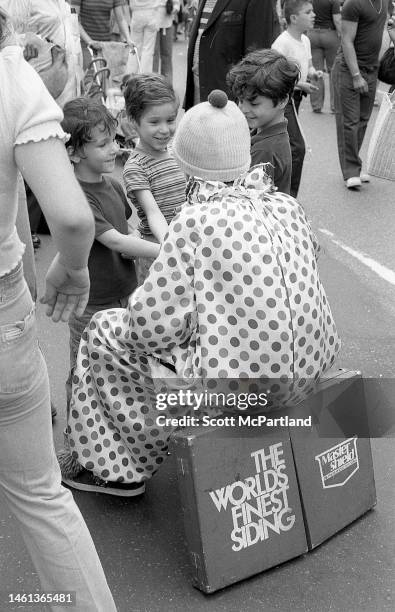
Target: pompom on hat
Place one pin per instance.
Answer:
(212, 141)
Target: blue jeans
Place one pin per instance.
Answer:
(324, 45)
(53, 529)
(353, 110)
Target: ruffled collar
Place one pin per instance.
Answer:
(253, 183)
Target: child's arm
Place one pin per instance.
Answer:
(306, 87)
(156, 221)
(128, 244)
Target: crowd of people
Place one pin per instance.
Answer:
(221, 281)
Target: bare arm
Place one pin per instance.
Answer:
(156, 221)
(337, 20)
(128, 245)
(84, 34)
(122, 24)
(46, 168)
(349, 30)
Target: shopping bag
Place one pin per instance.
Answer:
(381, 150)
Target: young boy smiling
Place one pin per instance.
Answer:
(154, 183)
(263, 82)
(92, 151)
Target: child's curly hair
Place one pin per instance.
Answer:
(263, 73)
(83, 114)
(144, 90)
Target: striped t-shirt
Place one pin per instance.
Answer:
(95, 16)
(162, 177)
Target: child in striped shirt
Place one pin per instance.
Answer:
(154, 183)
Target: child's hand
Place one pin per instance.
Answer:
(318, 74)
(307, 87)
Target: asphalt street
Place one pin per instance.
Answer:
(141, 541)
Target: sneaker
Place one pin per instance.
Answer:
(87, 481)
(365, 178)
(353, 182)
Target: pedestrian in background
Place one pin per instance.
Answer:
(222, 33)
(354, 78)
(295, 45)
(168, 11)
(96, 24)
(324, 40)
(53, 529)
(144, 27)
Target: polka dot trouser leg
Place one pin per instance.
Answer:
(112, 423)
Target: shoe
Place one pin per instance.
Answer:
(54, 412)
(36, 240)
(317, 110)
(87, 481)
(352, 182)
(365, 178)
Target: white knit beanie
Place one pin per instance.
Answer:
(212, 141)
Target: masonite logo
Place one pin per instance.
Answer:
(339, 463)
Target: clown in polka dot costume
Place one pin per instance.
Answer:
(234, 294)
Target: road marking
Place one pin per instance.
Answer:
(385, 273)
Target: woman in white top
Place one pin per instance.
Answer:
(31, 141)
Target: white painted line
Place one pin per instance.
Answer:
(385, 273)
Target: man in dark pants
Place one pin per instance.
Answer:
(222, 33)
(354, 81)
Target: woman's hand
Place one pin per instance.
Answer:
(66, 291)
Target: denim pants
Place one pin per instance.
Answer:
(353, 110)
(324, 45)
(76, 328)
(52, 527)
(296, 141)
(143, 28)
(163, 53)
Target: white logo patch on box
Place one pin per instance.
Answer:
(339, 463)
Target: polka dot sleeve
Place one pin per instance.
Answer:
(162, 310)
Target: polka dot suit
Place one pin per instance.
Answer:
(234, 293)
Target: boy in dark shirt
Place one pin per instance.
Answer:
(92, 150)
(262, 83)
